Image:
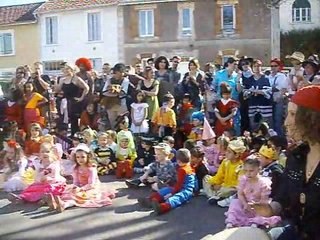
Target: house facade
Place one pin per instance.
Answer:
(19, 37)
(74, 29)
(205, 29)
(299, 15)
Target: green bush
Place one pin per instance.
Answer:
(305, 41)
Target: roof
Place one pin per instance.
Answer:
(18, 13)
(134, 2)
(60, 5)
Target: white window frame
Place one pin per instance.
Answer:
(300, 16)
(12, 42)
(46, 31)
(234, 18)
(145, 11)
(95, 36)
(188, 30)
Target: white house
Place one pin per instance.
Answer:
(299, 14)
(74, 29)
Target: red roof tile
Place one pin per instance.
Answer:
(58, 5)
(18, 13)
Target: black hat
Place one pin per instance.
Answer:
(313, 63)
(151, 141)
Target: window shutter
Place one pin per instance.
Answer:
(238, 12)
(157, 22)
(54, 30)
(98, 26)
(89, 27)
(7, 37)
(134, 23)
(217, 19)
(1, 44)
(48, 31)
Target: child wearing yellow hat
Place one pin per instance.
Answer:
(224, 183)
(270, 167)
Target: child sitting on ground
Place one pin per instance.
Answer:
(197, 162)
(270, 167)
(160, 173)
(224, 183)
(168, 198)
(252, 189)
(104, 156)
(89, 118)
(280, 145)
(145, 155)
(170, 141)
(125, 155)
(112, 137)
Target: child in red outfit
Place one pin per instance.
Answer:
(172, 197)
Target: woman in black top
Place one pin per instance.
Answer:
(299, 194)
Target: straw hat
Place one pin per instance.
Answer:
(237, 146)
(299, 56)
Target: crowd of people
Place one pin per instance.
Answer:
(245, 137)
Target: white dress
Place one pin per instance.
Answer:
(26, 175)
(139, 115)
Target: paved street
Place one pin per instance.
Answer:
(122, 220)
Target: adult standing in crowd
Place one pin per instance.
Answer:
(229, 75)
(115, 93)
(85, 67)
(40, 81)
(258, 92)
(279, 83)
(299, 190)
(19, 80)
(162, 75)
(193, 83)
(311, 69)
(297, 71)
(150, 87)
(74, 91)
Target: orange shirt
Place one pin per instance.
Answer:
(34, 100)
(165, 117)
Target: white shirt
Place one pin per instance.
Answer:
(279, 81)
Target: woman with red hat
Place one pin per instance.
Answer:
(299, 190)
(279, 83)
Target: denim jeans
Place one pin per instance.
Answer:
(278, 117)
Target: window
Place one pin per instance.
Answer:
(301, 11)
(228, 18)
(94, 26)
(6, 43)
(146, 23)
(50, 66)
(96, 63)
(51, 30)
(186, 22)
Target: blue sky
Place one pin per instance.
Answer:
(17, 2)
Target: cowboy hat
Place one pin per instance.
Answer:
(313, 63)
(299, 56)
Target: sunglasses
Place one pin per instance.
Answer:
(175, 62)
(274, 65)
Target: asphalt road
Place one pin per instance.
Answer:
(121, 221)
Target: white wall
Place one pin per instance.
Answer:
(286, 23)
(73, 37)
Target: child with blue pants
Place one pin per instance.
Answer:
(172, 197)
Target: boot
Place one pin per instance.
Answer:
(156, 197)
(134, 183)
(160, 208)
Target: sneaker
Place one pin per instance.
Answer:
(229, 225)
(213, 200)
(145, 203)
(225, 202)
(134, 183)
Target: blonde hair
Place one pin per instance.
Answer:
(47, 138)
(112, 134)
(74, 68)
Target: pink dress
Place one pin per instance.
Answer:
(86, 190)
(257, 192)
(212, 154)
(55, 183)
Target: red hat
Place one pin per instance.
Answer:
(277, 61)
(308, 97)
(85, 62)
